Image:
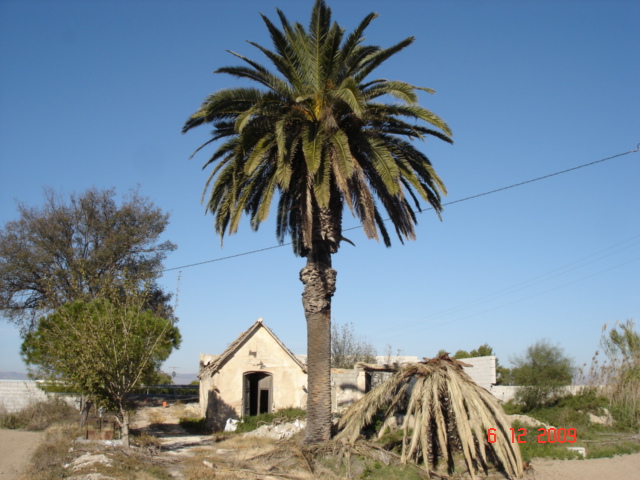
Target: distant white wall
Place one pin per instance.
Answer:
(504, 393)
(18, 394)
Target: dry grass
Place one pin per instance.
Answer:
(445, 413)
(52, 453)
(39, 415)
(156, 416)
(618, 376)
(242, 457)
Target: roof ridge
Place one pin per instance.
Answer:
(215, 365)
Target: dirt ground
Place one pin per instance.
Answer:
(622, 466)
(16, 448)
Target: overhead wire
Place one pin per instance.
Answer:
(555, 273)
(471, 197)
(398, 332)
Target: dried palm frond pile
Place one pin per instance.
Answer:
(445, 413)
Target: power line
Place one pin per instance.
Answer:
(414, 329)
(544, 177)
(524, 285)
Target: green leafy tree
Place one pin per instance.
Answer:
(483, 350)
(460, 354)
(504, 375)
(347, 349)
(159, 378)
(317, 137)
(103, 349)
(76, 250)
(540, 373)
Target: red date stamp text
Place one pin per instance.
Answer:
(545, 435)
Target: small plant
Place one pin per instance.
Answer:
(150, 442)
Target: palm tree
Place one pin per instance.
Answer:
(454, 414)
(317, 134)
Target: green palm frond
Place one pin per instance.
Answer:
(374, 60)
(317, 134)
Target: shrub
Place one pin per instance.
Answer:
(284, 415)
(541, 373)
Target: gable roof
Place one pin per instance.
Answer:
(214, 365)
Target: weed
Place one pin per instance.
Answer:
(378, 471)
(156, 416)
(150, 442)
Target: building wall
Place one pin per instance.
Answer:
(223, 392)
(221, 395)
(483, 371)
(347, 387)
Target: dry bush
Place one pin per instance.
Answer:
(156, 416)
(128, 464)
(39, 415)
(618, 376)
(149, 442)
(446, 414)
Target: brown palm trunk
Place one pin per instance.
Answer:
(319, 281)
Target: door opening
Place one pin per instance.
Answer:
(258, 393)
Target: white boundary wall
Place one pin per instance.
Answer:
(504, 393)
(18, 394)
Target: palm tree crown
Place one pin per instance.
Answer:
(318, 134)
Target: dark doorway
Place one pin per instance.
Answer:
(258, 393)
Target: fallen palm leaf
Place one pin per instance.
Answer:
(449, 412)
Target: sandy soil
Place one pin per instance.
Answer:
(16, 448)
(622, 467)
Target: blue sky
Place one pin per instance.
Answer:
(95, 94)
